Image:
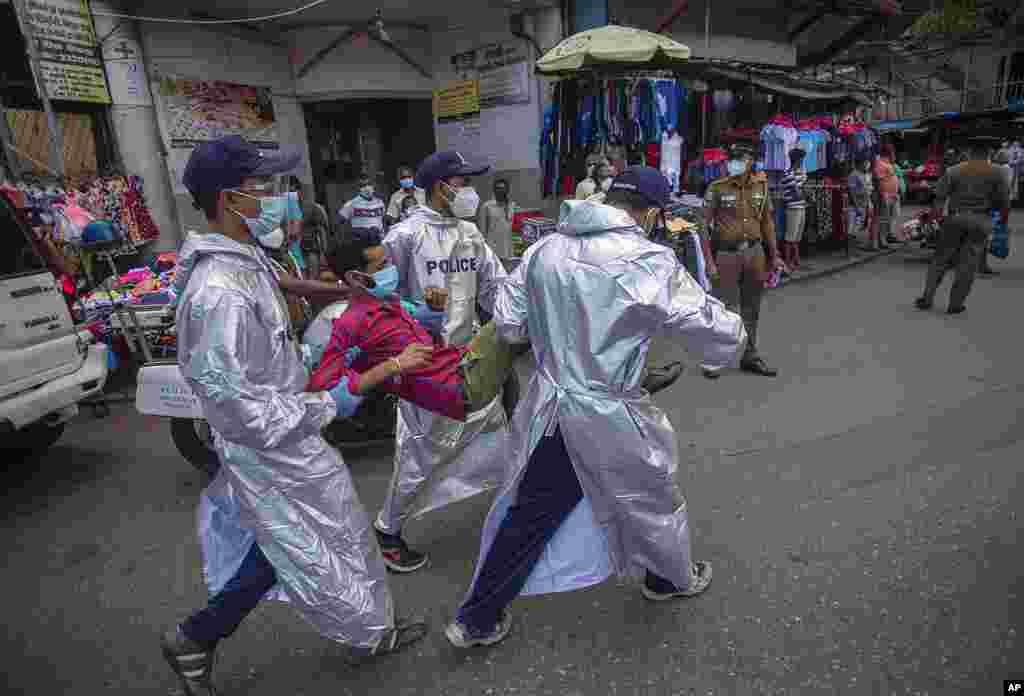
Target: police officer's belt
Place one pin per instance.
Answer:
(741, 245)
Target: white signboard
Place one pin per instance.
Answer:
(126, 75)
(502, 69)
(68, 60)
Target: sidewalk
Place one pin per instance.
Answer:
(830, 262)
(827, 263)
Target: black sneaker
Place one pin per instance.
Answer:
(923, 303)
(659, 378)
(190, 661)
(405, 633)
(757, 366)
(398, 557)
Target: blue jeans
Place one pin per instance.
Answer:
(548, 492)
(226, 609)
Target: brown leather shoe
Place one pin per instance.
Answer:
(757, 366)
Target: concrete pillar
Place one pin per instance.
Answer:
(135, 120)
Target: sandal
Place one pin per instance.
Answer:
(405, 633)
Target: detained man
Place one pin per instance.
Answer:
(442, 259)
(591, 489)
(282, 518)
(380, 331)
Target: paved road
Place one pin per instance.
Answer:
(860, 511)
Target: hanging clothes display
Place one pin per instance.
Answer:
(777, 139)
(624, 119)
(116, 199)
(672, 158)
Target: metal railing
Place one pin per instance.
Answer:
(993, 96)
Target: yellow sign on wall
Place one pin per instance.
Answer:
(458, 100)
(68, 58)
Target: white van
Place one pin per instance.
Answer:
(47, 364)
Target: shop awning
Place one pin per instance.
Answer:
(905, 125)
(781, 84)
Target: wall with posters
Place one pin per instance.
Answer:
(511, 98)
(194, 54)
(362, 68)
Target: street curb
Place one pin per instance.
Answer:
(832, 270)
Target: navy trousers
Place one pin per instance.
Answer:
(225, 611)
(548, 492)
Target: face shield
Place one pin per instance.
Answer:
(267, 209)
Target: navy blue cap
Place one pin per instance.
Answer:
(646, 181)
(225, 163)
(743, 148)
(443, 165)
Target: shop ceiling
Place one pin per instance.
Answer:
(426, 16)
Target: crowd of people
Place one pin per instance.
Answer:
(584, 465)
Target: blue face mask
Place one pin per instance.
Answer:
(386, 283)
(267, 227)
(406, 183)
(736, 167)
(294, 207)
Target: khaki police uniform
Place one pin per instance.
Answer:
(974, 189)
(740, 218)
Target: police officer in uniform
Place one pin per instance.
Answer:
(740, 218)
(974, 189)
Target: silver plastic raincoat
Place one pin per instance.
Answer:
(590, 299)
(280, 484)
(439, 461)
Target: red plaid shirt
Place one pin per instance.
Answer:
(382, 330)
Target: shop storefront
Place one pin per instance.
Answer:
(352, 102)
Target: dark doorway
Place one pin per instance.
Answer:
(347, 137)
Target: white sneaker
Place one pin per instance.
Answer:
(700, 579)
(460, 636)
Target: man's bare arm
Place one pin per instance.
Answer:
(314, 289)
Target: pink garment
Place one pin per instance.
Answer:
(888, 182)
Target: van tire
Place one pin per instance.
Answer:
(196, 451)
(33, 439)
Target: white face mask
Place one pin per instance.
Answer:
(465, 203)
(274, 240)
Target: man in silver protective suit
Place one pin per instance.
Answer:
(591, 488)
(444, 261)
(282, 518)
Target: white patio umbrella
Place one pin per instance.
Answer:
(613, 47)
